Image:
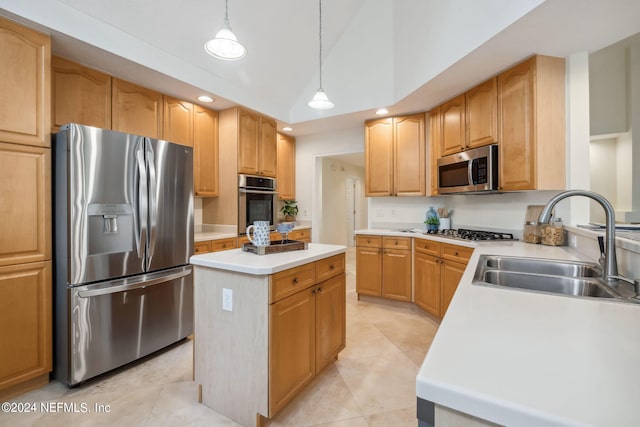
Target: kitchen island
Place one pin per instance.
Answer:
(265, 325)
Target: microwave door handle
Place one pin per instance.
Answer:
(142, 200)
(242, 190)
(472, 162)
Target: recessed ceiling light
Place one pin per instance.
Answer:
(382, 111)
(205, 98)
(287, 129)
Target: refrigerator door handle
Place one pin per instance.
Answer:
(142, 201)
(128, 286)
(153, 203)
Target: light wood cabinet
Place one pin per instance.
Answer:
(482, 114)
(26, 325)
(201, 247)
(286, 176)
(25, 191)
(25, 85)
(257, 151)
(452, 114)
(80, 95)
(395, 156)
(205, 153)
(135, 109)
(438, 268)
(177, 123)
(301, 234)
(435, 133)
(307, 325)
(214, 245)
(383, 266)
(531, 111)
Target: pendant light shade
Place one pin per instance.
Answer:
(225, 45)
(320, 100)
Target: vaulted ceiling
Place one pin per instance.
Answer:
(406, 55)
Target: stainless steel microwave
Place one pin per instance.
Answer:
(471, 171)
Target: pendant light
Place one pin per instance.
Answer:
(320, 100)
(225, 45)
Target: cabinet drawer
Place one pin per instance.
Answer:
(303, 235)
(428, 247)
(329, 267)
(223, 244)
(396, 242)
(369, 241)
(201, 247)
(456, 253)
(290, 281)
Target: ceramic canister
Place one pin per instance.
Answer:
(261, 231)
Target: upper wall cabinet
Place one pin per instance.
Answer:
(177, 125)
(136, 109)
(80, 95)
(286, 179)
(452, 114)
(434, 149)
(25, 76)
(395, 156)
(205, 152)
(257, 152)
(531, 112)
(482, 114)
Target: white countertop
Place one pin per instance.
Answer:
(250, 263)
(529, 359)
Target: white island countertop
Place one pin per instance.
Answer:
(520, 358)
(250, 263)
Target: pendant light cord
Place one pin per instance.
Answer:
(320, 38)
(226, 13)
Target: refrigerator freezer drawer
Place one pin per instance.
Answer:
(112, 324)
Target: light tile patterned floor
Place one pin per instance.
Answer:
(371, 384)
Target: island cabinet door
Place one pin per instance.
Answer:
(330, 320)
(291, 347)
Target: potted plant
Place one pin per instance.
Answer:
(289, 210)
(432, 223)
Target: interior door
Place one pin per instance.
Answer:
(170, 236)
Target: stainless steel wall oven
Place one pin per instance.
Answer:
(257, 199)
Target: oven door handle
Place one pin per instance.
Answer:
(243, 190)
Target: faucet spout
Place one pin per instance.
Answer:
(610, 261)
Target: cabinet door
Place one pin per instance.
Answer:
(482, 114)
(25, 207)
(378, 153)
(396, 274)
(292, 350)
(135, 109)
(80, 95)
(330, 320)
(177, 125)
(25, 85)
(435, 134)
(286, 177)
(25, 322)
(248, 137)
(268, 151)
(516, 112)
(409, 155)
(452, 114)
(368, 271)
(451, 273)
(205, 152)
(426, 282)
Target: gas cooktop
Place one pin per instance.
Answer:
(466, 234)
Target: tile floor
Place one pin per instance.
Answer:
(371, 384)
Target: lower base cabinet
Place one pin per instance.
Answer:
(383, 266)
(438, 268)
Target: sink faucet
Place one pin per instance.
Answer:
(610, 262)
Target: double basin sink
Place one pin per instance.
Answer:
(578, 279)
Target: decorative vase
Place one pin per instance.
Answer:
(289, 218)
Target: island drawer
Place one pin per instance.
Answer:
(368, 241)
(290, 281)
(329, 267)
(456, 253)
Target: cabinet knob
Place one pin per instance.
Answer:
(368, 241)
(319, 289)
(396, 243)
(456, 253)
(295, 280)
(331, 267)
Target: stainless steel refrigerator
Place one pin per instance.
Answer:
(123, 214)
